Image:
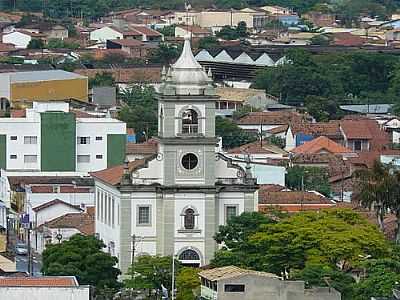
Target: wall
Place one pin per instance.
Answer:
(116, 144)
(50, 90)
(18, 39)
(104, 34)
(45, 293)
(58, 141)
(3, 151)
(52, 212)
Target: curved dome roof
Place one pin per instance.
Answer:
(186, 76)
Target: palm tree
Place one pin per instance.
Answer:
(376, 189)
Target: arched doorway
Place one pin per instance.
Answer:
(190, 258)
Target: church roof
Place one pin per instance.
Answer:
(114, 174)
(186, 76)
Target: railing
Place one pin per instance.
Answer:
(190, 128)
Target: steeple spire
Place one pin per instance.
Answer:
(186, 60)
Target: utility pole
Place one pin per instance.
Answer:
(29, 250)
(173, 278)
(133, 258)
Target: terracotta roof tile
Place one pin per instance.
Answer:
(356, 129)
(195, 29)
(53, 202)
(6, 47)
(84, 222)
(271, 187)
(148, 74)
(127, 42)
(329, 129)
(144, 148)
(291, 197)
(271, 118)
(257, 148)
(279, 129)
(114, 175)
(146, 30)
(47, 281)
(321, 144)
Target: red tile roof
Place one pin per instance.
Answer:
(144, 148)
(146, 30)
(18, 113)
(347, 39)
(6, 47)
(114, 175)
(291, 197)
(84, 222)
(271, 187)
(53, 202)
(195, 29)
(257, 148)
(271, 118)
(321, 144)
(47, 281)
(356, 129)
(279, 129)
(127, 42)
(149, 74)
(329, 129)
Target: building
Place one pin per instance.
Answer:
(44, 288)
(52, 139)
(21, 38)
(43, 86)
(323, 144)
(193, 31)
(114, 32)
(174, 201)
(233, 283)
(133, 48)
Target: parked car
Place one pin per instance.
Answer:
(21, 249)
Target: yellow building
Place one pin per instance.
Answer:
(43, 86)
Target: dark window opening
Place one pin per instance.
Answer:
(234, 288)
(357, 145)
(190, 122)
(189, 254)
(189, 219)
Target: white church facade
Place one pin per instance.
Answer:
(174, 201)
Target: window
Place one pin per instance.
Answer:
(56, 189)
(189, 219)
(13, 156)
(231, 211)
(190, 122)
(83, 140)
(83, 158)
(189, 254)
(357, 145)
(189, 161)
(13, 138)
(99, 138)
(30, 158)
(30, 140)
(143, 215)
(99, 156)
(234, 288)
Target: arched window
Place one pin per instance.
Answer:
(161, 130)
(189, 217)
(190, 122)
(189, 254)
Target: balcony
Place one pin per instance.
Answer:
(190, 129)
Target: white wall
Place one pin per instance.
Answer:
(5, 86)
(52, 212)
(20, 40)
(105, 33)
(45, 293)
(37, 199)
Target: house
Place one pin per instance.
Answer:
(292, 201)
(21, 38)
(45, 288)
(52, 139)
(136, 151)
(323, 144)
(320, 19)
(24, 191)
(193, 31)
(132, 47)
(61, 228)
(51, 210)
(276, 10)
(105, 33)
(357, 135)
(176, 199)
(51, 31)
(347, 39)
(370, 109)
(306, 131)
(234, 283)
(43, 86)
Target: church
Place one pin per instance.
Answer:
(173, 202)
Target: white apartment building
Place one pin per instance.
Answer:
(52, 139)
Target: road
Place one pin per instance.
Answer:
(22, 264)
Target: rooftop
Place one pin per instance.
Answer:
(46, 281)
(271, 118)
(237, 95)
(257, 148)
(321, 144)
(17, 77)
(84, 222)
(291, 197)
(230, 272)
(51, 203)
(144, 148)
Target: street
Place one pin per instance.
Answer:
(22, 264)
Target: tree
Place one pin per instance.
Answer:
(60, 44)
(334, 237)
(234, 238)
(140, 110)
(102, 79)
(167, 30)
(232, 135)
(321, 40)
(187, 284)
(208, 42)
(382, 276)
(36, 44)
(375, 187)
(317, 275)
(151, 272)
(277, 141)
(228, 33)
(322, 109)
(313, 179)
(165, 54)
(82, 256)
(241, 29)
